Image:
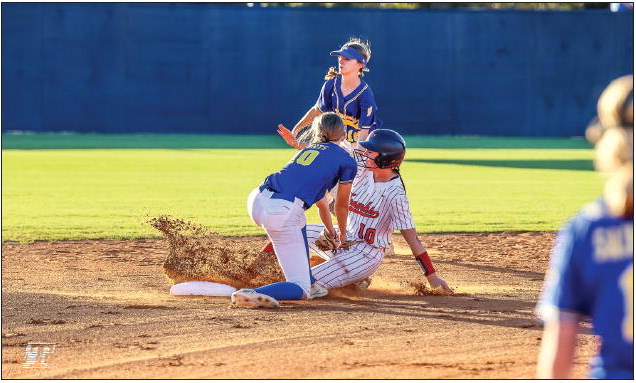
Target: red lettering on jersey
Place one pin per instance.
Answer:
(363, 210)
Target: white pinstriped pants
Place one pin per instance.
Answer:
(346, 266)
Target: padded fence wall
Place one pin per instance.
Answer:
(213, 68)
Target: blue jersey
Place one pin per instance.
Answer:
(357, 110)
(311, 172)
(591, 274)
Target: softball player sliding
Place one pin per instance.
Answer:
(378, 205)
(345, 93)
(592, 265)
(278, 206)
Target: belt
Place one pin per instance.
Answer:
(277, 195)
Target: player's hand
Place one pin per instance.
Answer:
(287, 136)
(335, 238)
(438, 283)
(342, 238)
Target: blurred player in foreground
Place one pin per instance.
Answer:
(278, 205)
(592, 266)
(378, 205)
(345, 93)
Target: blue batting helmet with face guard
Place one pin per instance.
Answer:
(390, 146)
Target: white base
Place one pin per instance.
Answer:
(210, 289)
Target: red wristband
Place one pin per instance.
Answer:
(425, 263)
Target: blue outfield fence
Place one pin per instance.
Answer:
(214, 68)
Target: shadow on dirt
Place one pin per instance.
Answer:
(533, 275)
(515, 313)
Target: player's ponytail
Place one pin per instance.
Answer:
(614, 157)
(613, 134)
(331, 73)
(397, 171)
(327, 127)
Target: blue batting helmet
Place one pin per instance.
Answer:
(389, 144)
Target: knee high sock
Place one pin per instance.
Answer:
(282, 291)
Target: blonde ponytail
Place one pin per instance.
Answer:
(331, 73)
(613, 135)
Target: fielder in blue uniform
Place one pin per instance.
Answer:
(592, 266)
(346, 94)
(279, 204)
(356, 107)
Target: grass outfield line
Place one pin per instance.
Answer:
(273, 141)
(57, 194)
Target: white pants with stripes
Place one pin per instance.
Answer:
(345, 266)
(283, 222)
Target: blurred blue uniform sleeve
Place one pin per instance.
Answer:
(564, 289)
(348, 171)
(324, 99)
(368, 111)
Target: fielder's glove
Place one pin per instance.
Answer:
(326, 241)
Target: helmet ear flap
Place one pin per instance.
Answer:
(379, 161)
(389, 160)
(382, 161)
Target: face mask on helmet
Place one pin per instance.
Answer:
(361, 158)
(387, 161)
(389, 145)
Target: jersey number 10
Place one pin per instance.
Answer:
(368, 235)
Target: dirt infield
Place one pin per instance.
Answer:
(106, 306)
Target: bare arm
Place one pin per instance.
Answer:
(557, 349)
(307, 119)
(342, 209)
(325, 215)
(410, 236)
(363, 134)
(419, 252)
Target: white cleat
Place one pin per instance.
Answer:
(252, 299)
(318, 291)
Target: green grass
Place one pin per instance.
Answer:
(52, 194)
(223, 141)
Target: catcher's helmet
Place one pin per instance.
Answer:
(389, 144)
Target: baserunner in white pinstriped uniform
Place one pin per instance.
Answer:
(378, 205)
